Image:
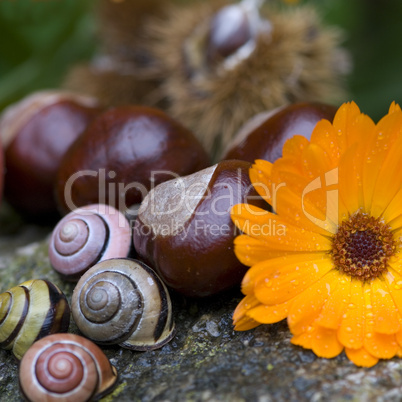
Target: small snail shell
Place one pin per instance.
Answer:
(65, 367)
(123, 301)
(86, 236)
(30, 311)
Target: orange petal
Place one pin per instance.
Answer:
(305, 194)
(361, 357)
(293, 208)
(244, 306)
(378, 345)
(325, 343)
(351, 333)
(381, 346)
(314, 161)
(386, 317)
(287, 281)
(294, 146)
(394, 107)
(345, 125)
(240, 319)
(277, 233)
(260, 174)
(398, 338)
(350, 184)
(304, 339)
(245, 323)
(393, 279)
(393, 214)
(306, 307)
(386, 132)
(295, 261)
(321, 176)
(388, 180)
(251, 251)
(269, 314)
(325, 136)
(336, 305)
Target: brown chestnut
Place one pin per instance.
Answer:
(36, 132)
(184, 231)
(263, 136)
(230, 29)
(122, 154)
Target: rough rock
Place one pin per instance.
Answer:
(207, 360)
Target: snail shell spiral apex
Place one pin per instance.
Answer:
(87, 236)
(31, 311)
(123, 301)
(65, 367)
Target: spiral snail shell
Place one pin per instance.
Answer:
(30, 311)
(123, 301)
(86, 236)
(65, 367)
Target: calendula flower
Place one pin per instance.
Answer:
(329, 259)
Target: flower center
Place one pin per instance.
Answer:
(362, 247)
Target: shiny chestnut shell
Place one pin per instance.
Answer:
(184, 230)
(134, 147)
(36, 132)
(263, 136)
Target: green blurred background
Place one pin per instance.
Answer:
(41, 39)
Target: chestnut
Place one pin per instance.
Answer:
(184, 230)
(35, 133)
(123, 153)
(263, 136)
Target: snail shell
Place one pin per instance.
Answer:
(65, 367)
(86, 236)
(123, 301)
(30, 311)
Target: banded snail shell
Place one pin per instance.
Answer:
(65, 367)
(30, 311)
(87, 236)
(123, 301)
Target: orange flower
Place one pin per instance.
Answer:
(330, 258)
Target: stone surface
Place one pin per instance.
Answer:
(207, 360)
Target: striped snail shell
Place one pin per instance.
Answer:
(123, 301)
(86, 236)
(30, 311)
(65, 367)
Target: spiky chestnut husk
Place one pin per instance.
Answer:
(115, 83)
(298, 60)
(123, 71)
(121, 25)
